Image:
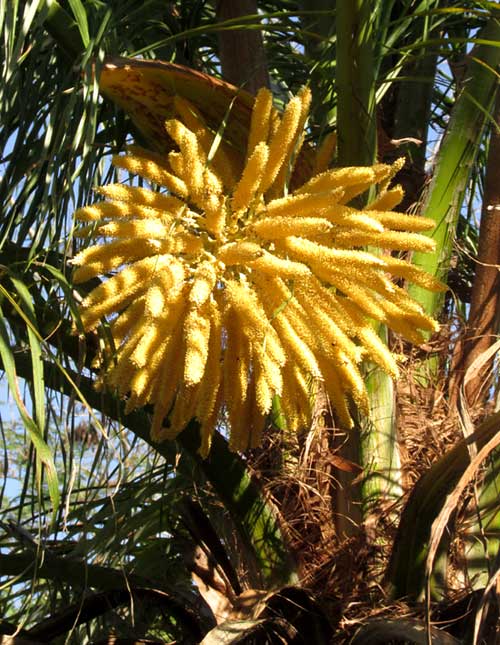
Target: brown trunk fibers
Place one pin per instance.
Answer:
(241, 51)
(482, 327)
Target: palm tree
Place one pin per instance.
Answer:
(107, 534)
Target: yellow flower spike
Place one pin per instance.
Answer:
(385, 178)
(215, 218)
(176, 162)
(296, 347)
(301, 392)
(401, 222)
(239, 253)
(286, 269)
(210, 391)
(305, 96)
(349, 218)
(211, 200)
(279, 185)
(332, 305)
(221, 162)
(336, 393)
(308, 251)
(138, 229)
(387, 199)
(401, 307)
(151, 349)
(324, 153)
(99, 260)
(204, 280)
(181, 134)
(141, 388)
(164, 290)
(385, 290)
(192, 155)
(356, 183)
(212, 185)
(152, 172)
(209, 424)
(251, 179)
(119, 290)
(236, 363)
(185, 244)
(297, 318)
(302, 205)
(145, 348)
(376, 351)
(120, 371)
(240, 418)
(134, 196)
(397, 322)
(352, 381)
(247, 420)
(394, 240)
(270, 362)
(166, 385)
(274, 123)
(269, 379)
(359, 294)
(128, 319)
(197, 335)
(260, 121)
(285, 312)
(183, 412)
(127, 209)
(224, 291)
(422, 321)
(119, 376)
(273, 228)
(108, 210)
(258, 329)
(401, 269)
(282, 142)
(396, 295)
(338, 178)
(328, 331)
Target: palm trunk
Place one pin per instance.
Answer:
(355, 84)
(242, 55)
(485, 304)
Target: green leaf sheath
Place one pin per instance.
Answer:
(457, 155)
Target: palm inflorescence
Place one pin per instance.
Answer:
(249, 276)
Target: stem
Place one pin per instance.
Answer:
(355, 83)
(357, 138)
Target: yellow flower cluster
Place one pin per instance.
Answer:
(233, 285)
